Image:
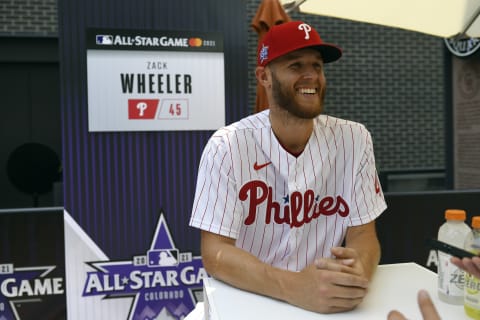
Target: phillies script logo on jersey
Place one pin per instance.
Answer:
(302, 207)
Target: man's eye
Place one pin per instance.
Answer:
(295, 66)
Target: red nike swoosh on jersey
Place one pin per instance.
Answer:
(257, 166)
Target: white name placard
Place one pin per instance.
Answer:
(155, 81)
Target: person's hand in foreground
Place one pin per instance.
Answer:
(470, 265)
(427, 308)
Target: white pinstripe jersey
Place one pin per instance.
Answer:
(287, 210)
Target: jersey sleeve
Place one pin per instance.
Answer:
(369, 201)
(215, 207)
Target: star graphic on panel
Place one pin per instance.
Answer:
(164, 282)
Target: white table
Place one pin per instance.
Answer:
(394, 286)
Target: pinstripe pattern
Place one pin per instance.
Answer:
(292, 209)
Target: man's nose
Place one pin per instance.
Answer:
(310, 73)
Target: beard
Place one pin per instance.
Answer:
(286, 101)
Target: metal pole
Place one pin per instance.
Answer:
(292, 5)
(469, 24)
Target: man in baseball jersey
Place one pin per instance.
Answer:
(280, 191)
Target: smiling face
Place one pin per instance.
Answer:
(298, 83)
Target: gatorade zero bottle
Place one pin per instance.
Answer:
(472, 284)
(451, 279)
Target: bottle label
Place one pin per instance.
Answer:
(472, 296)
(450, 279)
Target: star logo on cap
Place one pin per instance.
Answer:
(263, 53)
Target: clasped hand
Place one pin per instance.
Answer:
(331, 285)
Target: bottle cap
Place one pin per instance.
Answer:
(455, 214)
(476, 222)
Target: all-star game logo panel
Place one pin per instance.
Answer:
(143, 80)
(164, 283)
(32, 264)
(153, 40)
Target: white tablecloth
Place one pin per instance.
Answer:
(394, 286)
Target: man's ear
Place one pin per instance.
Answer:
(262, 76)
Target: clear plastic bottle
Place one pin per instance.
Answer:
(451, 279)
(472, 284)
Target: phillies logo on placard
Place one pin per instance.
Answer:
(142, 108)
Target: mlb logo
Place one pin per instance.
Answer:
(163, 258)
(104, 39)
